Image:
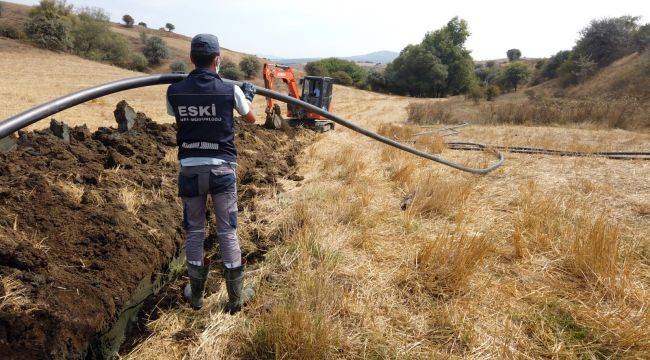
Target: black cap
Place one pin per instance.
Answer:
(205, 44)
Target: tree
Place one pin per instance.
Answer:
(128, 20)
(487, 75)
(142, 24)
(342, 78)
(229, 70)
(155, 50)
(448, 45)
(608, 39)
(178, 66)
(170, 27)
(48, 25)
(330, 66)
(314, 68)
(514, 74)
(513, 55)
(250, 66)
(376, 81)
(438, 66)
(417, 72)
(549, 70)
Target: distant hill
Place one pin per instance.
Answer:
(380, 57)
(377, 57)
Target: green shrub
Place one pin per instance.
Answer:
(92, 38)
(51, 8)
(143, 37)
(250, 66)
(642, 38)
(142, 24)
(155, 50)
(48, 32)
(513, 54)
(491, 92)
(476, 93)
(342, 78)
(329, 66)
(178, 66)
(138, 62)
(10, 32)
(170, 27)
(229, 70)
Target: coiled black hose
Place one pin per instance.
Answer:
(40, 112)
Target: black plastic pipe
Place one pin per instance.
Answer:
(40, 112)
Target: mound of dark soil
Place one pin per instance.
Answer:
(81, 223)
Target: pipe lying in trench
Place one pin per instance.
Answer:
(42, 111)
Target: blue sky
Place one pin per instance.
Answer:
(292, 28)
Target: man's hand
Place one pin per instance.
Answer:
(249, 91)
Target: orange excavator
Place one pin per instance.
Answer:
(316, 90)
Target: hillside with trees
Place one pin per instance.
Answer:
(89, 33)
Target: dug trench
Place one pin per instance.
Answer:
(84, 219)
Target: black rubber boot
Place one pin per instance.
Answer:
(194, 290)
(237, 296)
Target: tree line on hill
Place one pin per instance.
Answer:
(129, 22)
(441, 65)
(86, 32)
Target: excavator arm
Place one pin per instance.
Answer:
(285, 73)
(296, 115)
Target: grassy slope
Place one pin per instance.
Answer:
(32, 76)
(14, 14)
(178, 44)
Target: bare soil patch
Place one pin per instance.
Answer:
(82, 223)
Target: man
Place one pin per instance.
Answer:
(203, 107)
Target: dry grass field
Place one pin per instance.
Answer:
(545, 258)
(32, 76)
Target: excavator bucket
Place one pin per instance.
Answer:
(274, 118)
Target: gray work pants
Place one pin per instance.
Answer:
(195, 183)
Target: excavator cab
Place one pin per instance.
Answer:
(316, 91)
